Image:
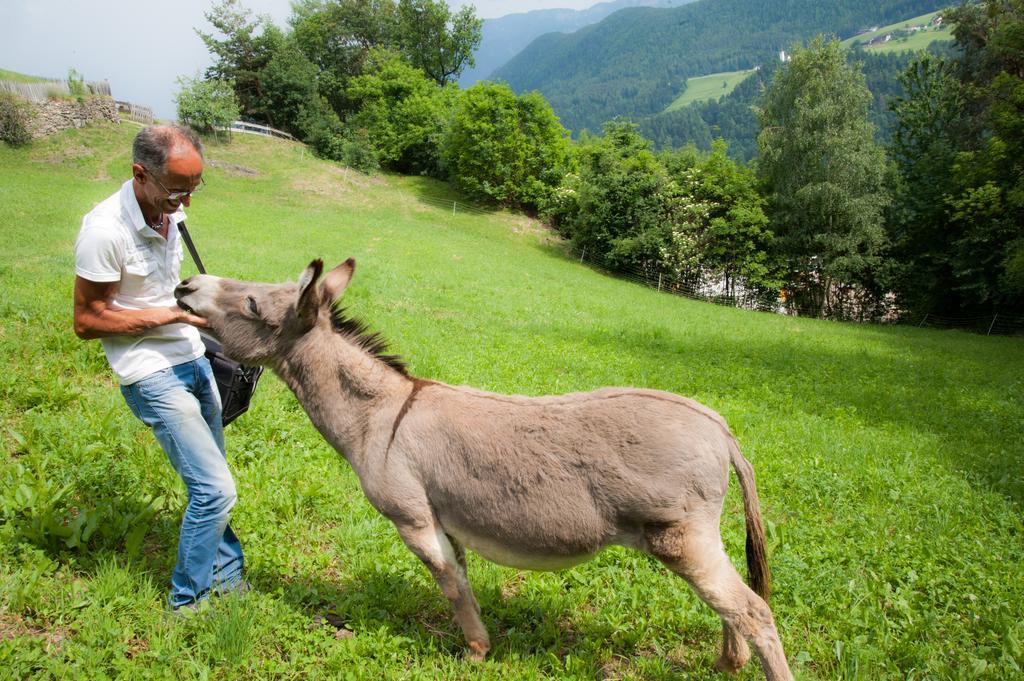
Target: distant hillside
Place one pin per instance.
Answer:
(636, 61)
(505, 37)
(910, 34)
(732, 116)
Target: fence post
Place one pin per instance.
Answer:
(453, 208)
(923, 320)
(659, 282)
(991, 325)
(583, 254)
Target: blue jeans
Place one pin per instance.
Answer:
(182, 406)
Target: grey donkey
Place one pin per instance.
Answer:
(540, 483)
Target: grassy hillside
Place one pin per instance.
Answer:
(16, 77)
(708, 87)
(909, 40)
(888, 459)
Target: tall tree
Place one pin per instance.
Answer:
(242, 46)
(929, 126)
(959, 146)
(825, 178)
(437, 41)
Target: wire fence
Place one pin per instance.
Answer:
(454, 206)
(717, 292)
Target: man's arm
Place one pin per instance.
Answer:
(95, 318)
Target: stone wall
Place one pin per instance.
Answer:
(60, 114)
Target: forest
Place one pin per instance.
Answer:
(635, 62)
(733, 117)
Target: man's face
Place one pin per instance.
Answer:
(183, 172)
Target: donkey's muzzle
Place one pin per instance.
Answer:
(182, 290)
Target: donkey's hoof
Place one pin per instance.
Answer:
(477, 651)
(729, 665)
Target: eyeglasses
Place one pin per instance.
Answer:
(175, 196)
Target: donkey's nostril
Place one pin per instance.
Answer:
(182, 289)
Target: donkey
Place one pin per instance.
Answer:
(540, 483)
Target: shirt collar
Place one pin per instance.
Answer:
(134, 212)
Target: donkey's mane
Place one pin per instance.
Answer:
(371, 341)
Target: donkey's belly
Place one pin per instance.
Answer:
(517, 556)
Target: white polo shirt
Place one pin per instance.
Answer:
(115, 244)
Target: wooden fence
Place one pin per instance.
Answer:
(134, 112)
(40, 92)
(256, 129)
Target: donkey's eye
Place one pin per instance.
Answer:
(252, 305)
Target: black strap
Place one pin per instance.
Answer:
(191, 247)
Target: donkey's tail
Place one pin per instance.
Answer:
(757, 562)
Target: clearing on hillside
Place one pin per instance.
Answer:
(912, 34)
(712, 86)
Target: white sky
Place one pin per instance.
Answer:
(141, 47)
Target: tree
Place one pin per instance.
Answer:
(506, 149)
(925, 140)
(619, 208)
(336, 35)
(959, 147)
(206, 105)
(436, 41)
(723, 229)
(405, 113)
(246, 47)
(288, 86)
(825, 179)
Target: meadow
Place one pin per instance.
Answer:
(919, 40)
(890, 460)
(708, 87)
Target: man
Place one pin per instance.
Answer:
(127, 263)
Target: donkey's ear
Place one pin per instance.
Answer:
(336, 281)
(308, 306)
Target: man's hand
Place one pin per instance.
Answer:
(95, 317)
(193, 319)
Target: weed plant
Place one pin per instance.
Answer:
(889, 460)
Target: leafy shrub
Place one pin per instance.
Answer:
(15, 117)
(404, 112)
(206, 105)
(507, 149)
(76, 85)
(323, 130)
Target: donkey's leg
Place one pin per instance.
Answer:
(446, 562)
(460, 557)
(694, 551)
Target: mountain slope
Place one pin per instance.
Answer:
(506, 36)
(636, 61)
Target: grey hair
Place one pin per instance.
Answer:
(154, 143)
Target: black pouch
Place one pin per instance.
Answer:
(235, 382)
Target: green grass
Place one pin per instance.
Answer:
(20, 77)
(713, 86)
(914, 42)
(889, 460)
